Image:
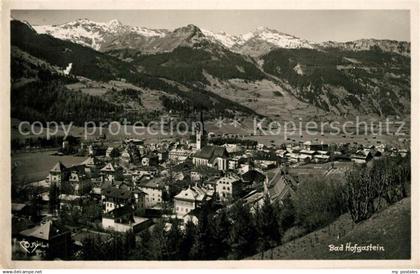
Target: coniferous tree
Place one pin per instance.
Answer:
(242, 235)
(187, 240)
(220, 239)
(267, 226)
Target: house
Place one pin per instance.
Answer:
(228, 188)
(211, 156)
(265, 163)
(21, 209)
(179, 154)
(113, 197)
(58, 174)
(92, 165)
(253, 178)
(361, 157)
(321, 158)
(191, 198)
(233, 163)
(306, 155)
(154, 190)
(403, 152)
(47, 238)
(125, 157)
(243, 168)
(111, 173)
(308, 145)
(122, 219)
(70, 201)
(293, 157)
(195, 176)
(232, 148)
(281, 153)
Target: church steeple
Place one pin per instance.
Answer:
(200, 134)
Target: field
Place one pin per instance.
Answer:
(390, 228)
(33, 166)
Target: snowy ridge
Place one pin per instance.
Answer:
(113, 34)
(92, 34)
(274, 37)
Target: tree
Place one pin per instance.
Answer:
(203, 235)
(287, 214)
(368, 186)
(267, 224)
(143, 250)
(159, 241)
(318, 202)
(220, 235)
(174, 241)
(53, 195)
(187, 240)
(242, 235)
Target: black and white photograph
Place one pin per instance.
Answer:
(210, 135)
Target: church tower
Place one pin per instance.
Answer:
(200, 134)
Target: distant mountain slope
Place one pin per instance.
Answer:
(189, 65)
(40, 58)
(197, 69)
(85, 61)
(399, 47)
(346, 82)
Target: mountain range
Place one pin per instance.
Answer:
(264, 72)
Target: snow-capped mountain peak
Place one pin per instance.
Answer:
(92, 34)
(114, 34)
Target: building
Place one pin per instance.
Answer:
(46, 238)
(123, 220)
(190, 199)
(306, 155)
(228, 188)
(113, 198)
(279, 187)
(91, 164)
(201, 134)
(111, 173)
(179, 154)
(58, 174)
(361, 157)
(233, 163)
(154, 190)
(79, 182)
(212, 156)
(308, 145)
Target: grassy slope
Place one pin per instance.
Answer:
(390, 228)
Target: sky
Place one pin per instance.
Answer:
(313, 25)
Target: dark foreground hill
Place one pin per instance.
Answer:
(390, 228)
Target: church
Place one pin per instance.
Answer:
(209, 155)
